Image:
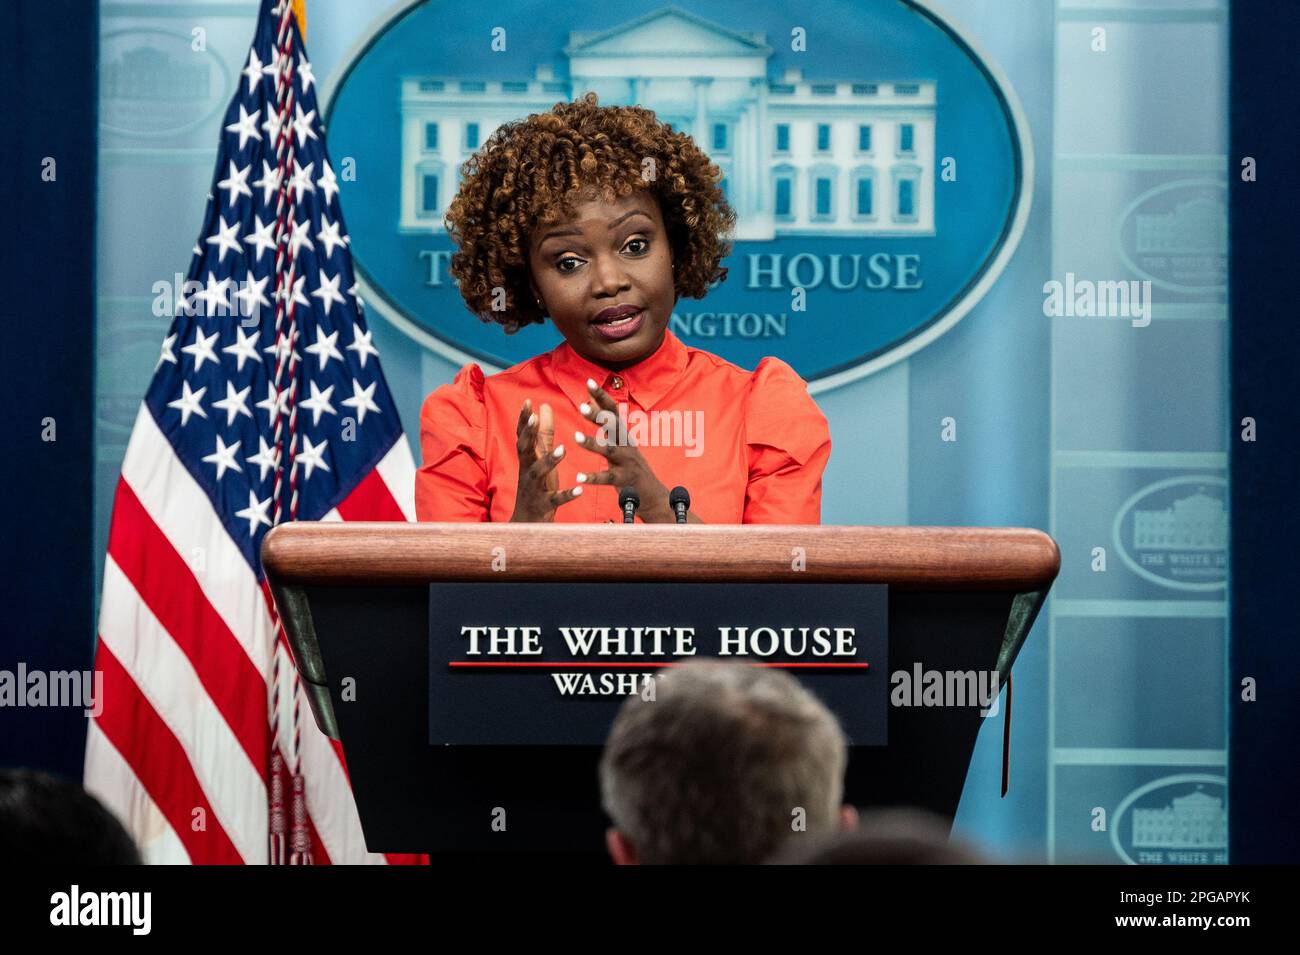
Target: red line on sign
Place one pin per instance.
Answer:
(653, 664)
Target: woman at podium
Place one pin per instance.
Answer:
(599, 219)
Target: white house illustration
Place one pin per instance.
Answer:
(800, 157)
(1194, 821)
(1195, 522)
(1196, 227)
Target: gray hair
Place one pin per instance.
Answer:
(722, 765)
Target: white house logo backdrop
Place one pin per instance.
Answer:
(878, 165)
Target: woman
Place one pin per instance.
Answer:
(600, 218)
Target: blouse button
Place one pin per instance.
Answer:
(616, 383)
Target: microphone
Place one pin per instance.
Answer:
(629, 501)
(679, 499)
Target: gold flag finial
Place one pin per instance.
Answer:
(300, 11)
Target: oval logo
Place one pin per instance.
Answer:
(1176, 235)
(154, 83)
(881, 184)
(1176, 820)
(1175, 533)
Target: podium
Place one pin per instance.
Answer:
(354, 599)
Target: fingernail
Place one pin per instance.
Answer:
(582, 478)
(584, 408)
(579, 437)
(532, 419)
(591, 383)
(577, 492)
(558, 451)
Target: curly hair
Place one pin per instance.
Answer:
(534, 170)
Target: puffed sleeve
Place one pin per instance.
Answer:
(452, 484)
(789, 443)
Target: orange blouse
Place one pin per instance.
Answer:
(750, 447)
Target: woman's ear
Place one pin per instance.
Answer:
(532, 288)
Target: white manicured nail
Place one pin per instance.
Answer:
(558, 451)
(582, 478)
(591, 383)
(577, 492)
(584, 408)
(579, 437)
(532, 419)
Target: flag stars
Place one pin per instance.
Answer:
(275, 65)
(253, 70)
(274, 404)
(213, 295)
(302, 124)
(201, 349)
(167, 353)
(244, 348)
(224, 458)
(325, 347)
(246, 127)
(305, 74)
(328, 292)
(234, 404)
(255, 513)
(272, 127)
(362, 346)
(362, 400)
(236, 183)
(328, 184)
(300, 237)
(319, 403)
(310, 456)
(283, 350)
(252, 296)
(225, 237)
(267, 458)
(261, 235)
(188, 403)
(329, 234)
(301, 180)
(269, 183)
(298, 298)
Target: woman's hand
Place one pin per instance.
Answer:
(624, 464)
(539, 491)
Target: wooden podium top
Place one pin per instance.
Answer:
(908, 558)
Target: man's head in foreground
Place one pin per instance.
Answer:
(45, 820)
(724, 765)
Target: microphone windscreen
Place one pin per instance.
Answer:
(679, 495)
(628, 496)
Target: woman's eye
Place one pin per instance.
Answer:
(644, 247)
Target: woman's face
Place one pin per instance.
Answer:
(608, 255)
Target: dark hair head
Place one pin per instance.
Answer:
(536, 170)
(897, 835)
(45, 820)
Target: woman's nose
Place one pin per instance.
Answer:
(610, 274)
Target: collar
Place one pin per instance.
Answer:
(648, 381)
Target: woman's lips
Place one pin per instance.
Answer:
(620, 329)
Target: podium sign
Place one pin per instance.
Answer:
(537, 664)
(375, 614)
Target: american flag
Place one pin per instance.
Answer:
(267, 404)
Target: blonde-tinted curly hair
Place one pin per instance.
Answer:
(536, 170)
